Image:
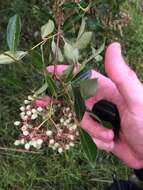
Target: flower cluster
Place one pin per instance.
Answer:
(52, 125)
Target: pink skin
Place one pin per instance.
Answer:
(125, 90)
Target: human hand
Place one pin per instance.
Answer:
(124, 89)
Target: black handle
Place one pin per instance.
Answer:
(107, 111)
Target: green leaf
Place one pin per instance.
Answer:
(36, 59)
(13, 32)
(97, 52)
(60, 56)
(47, 29)
(79, 105)
(71, 53)
(84, 74)
(68, 73)
(88, 88)
(82, 27)
(42, 89)
(88, 147)
(84, 40)
(52, 87)
(8, 57)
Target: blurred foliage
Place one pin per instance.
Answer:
(109, 20)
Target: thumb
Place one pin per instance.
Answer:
(122, 75)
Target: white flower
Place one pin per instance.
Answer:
(60, 150)
(28, 113)
(33, 143)
(25, 133)
(77, 133)
(26, 102)
(17, 142)
(51, 141)
(22, 108)
(40, 109)
(34, 116)
(65, 123)
(16, 123)
(39, 141)
(49, 133)
(22, 114)
(27, 146)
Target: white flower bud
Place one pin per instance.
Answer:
(51, 141)
(33, 143)
(24, 128)
(22, 114)
(67, 109)
(67, 147)
(69, 115)
(28, 107)
(38, 146)
(30, 98)
(22, 108)
(61, 120)
(39, 141)
(77, 133)
(60, 150)
(49, 133)
(65, 123)
(72, 137)
(74, 126)
(34, 110)
(27, 146)
(56, 145)
(25, 117)
(16, 123)
(26, 102)
(28, 113)
(25, 133)
(40, 109)
(71, 144)
(34, 116)
(17, 142)
(59, 105)
(22, 141)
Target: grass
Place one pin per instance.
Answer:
(48, 171)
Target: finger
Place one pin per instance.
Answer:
(104, 146)
(59, 69)
(95, 130)
(120, 73)
(42, 102)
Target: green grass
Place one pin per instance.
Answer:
(48, 171)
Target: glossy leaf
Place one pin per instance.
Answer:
(88, 147)
(82, 27)
(36, 59)
(13, 32)
(42, 89)
(88, 88)
(47, 29)
(68, 73)
(59, 53)
(79, 105)
(52, 87)
(84, 74)
(71, 53)
(84, 40)
(8, 57)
